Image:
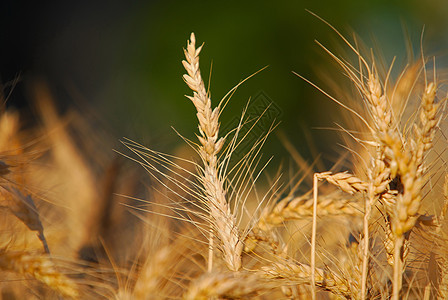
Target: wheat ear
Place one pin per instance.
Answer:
(380, 171)
(404, 164)
(300, 274)
(297, 208)
(222, 220)
(39, 267)
(410, 169)
(347, 182)
(228, 286)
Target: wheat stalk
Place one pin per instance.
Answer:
(223, 222)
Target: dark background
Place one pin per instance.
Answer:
(123, 58)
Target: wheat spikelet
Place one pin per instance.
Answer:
(39, 267)
(345, 181)
(382, 167)
(379, 105)
(424, 136)
(222, 220)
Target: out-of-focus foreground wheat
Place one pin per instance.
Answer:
(77, 225)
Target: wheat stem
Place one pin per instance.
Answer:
(210, 251)
(313, 236)
(398, 268)
(365, 256)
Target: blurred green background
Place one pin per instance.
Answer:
(123, 58)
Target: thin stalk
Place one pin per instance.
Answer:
(210, 251)
(313, 237)
(398, 267)
(365, 256)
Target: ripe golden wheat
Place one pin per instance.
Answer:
(375, 230)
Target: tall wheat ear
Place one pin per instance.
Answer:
(222, 220)
(402, 153)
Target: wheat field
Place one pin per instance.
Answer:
(76, 224)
